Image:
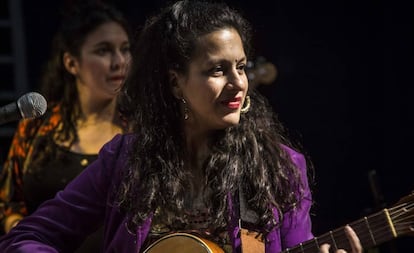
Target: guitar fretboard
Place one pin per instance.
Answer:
(372, 230)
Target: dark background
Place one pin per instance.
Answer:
(344, 89)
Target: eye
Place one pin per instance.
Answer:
(102, 51)
(241, 67)
(126, 50)
(217, 70)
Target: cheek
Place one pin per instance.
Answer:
(98, 66)
(201, 91)
(205, 94)
(95, 66)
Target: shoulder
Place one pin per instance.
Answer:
(119, 143)
(117, 150)
(112, 160)
(42, 125)
(54, 114)
(297, 158)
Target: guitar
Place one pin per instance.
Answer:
(183, 243)
(372, 230)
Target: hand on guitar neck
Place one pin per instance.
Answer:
(353, 242)
(368, 231)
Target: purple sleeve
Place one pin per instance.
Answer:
(297, 226)
(61, 224)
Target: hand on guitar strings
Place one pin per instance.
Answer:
(353, 241)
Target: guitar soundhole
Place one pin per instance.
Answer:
(183, 243)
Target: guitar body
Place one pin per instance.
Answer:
(183, 243)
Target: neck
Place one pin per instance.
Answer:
(197, 146)
(95, 105)
(96, 112)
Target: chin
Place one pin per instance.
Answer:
(231, 121)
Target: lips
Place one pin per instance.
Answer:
(232, 103)
(117, 78)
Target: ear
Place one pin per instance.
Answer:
(175, 88)
(70, 63)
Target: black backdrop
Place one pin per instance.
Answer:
(344, 89)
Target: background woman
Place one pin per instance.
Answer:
(81, 82)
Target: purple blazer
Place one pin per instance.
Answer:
(60, 224)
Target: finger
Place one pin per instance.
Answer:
(324, 248)
(353, 240)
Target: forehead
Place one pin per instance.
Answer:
(106, 32)
(219, 44)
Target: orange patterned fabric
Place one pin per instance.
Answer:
(11, 183)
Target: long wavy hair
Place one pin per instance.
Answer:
(79, 19)
(249, 154)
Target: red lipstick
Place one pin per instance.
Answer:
(117, 78)
(233, 103)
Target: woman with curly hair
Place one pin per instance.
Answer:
(206, 157)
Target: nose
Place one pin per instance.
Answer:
(237, 80)
(119, 60)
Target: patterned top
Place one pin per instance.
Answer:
(196, 220)
(17, 179)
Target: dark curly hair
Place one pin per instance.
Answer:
(248, 154)
(78, 20)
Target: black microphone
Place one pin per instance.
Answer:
(30, 105)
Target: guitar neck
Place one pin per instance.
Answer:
(372, 230)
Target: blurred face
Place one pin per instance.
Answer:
(103, 63)
(215, 86)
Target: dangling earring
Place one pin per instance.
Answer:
(246, 105)
(185, 109)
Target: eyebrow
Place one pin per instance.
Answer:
(244, 58)
(107, 43)
(220, 60)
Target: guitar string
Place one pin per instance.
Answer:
(397, 216)
(381, 232)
